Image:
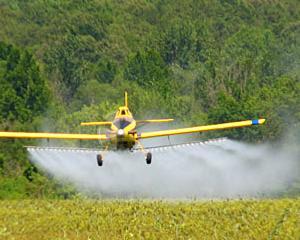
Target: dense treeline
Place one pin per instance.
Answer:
(62, 62)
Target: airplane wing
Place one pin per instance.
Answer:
(53, 135)
(201, 128)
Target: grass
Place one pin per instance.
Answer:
(89, 219)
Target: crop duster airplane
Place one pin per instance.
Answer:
(123, 132)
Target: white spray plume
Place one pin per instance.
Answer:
(226, 169)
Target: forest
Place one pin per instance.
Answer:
(198, 61)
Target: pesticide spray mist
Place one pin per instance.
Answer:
(227, 169)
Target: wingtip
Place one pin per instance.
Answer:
(258, 121)
(261, 121)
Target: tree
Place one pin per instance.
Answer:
(106, 71)
(24, 91)
(179, 43)
(148, 69)
(247, 61)
(72, 58)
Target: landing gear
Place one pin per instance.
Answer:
(99, 160)
(148, 157)
(100, 157)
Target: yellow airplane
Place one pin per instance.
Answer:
(123, 131)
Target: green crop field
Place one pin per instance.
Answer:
(116, 219)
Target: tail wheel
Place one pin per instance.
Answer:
(148, 157)
(99, 160)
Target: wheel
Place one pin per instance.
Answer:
(148, 158)
(99, 160)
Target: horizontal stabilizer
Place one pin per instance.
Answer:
(95, 123)
(155, 120)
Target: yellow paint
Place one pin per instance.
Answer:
(123, 112)
(53, 135)
(156, 120)
(123, 129)
(125, 100)
(95, 123)
(199, 129)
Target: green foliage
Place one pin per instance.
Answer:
(146, 68)
(70, 60)
(13, 188)
(179, 43)
(94, 93)
(106, 71)
(247, 62)
(24, 93)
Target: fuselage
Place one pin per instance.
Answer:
(123, 129)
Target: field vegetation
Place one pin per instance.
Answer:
(86, 219)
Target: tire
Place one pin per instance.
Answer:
(99, 160)
(148, 158)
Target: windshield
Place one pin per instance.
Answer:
(121, 123)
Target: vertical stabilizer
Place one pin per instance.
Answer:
(125, 99)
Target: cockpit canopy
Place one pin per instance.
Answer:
(121, 123)
(123, 118)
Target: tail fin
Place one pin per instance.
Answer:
(125, 99)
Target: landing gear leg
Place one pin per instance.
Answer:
(148, 155)
(100, 157)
